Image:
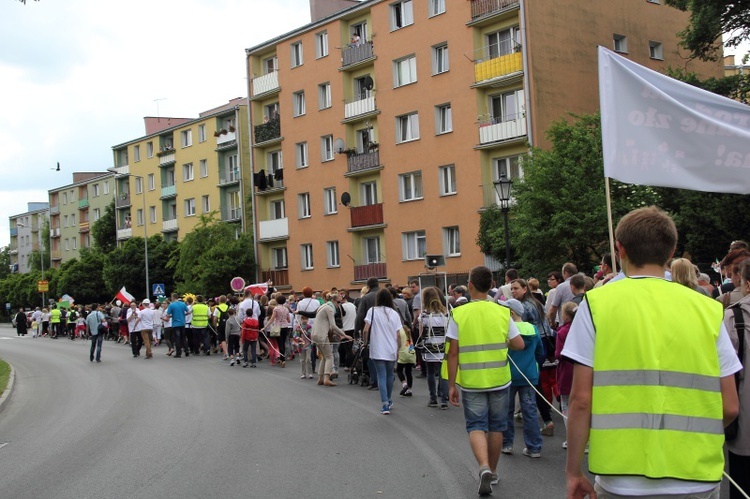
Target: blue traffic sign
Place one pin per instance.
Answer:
(158, 290)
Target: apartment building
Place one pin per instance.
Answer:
(73, 209)
(183, 168)
(380, 131)
(27, 235)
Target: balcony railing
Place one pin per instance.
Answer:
(363, 161)
(273, 229)
(56, 255)
(356, 53)
(54, 232)
(497, 66)
(359, 106)
(54, 210)
(169, 191)
(83, 204)
(362, 216)
(480, 8)
(121, 170)
(166, 158)
(34, 228)
(502, 128)
(268, 131)
(122, 201)
(169, 225)
(230, 177)
(280, 277)
(83, 227)
(232, 215)
(125, 233)
(364, 272)
(13, 231)
(266, 83)
(225, 138)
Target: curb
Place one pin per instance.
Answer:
(5, 398)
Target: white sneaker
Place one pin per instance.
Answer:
(565, 445)
(232, 362)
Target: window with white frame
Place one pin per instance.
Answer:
(330, 205)
(321, 44)
(75, 243)
(149, 149)
(301, 152)
(137, 153)
(410, 186)
(413, 245)
(503, 42)
(65, 198)
(152, 214)
(436, 7)
(402, 14)
(186, 138)
(297, 58)
(324, 95)
(508, 106)
(509, 167)
(65, 220)
(440, 60)
(270, 65)
(67, 245)
(447, 180)
(204, 168)
(139, 220)
(234, 205)
(326, 148)
(187, 172)
(202, 133)
(96, 190)
(368, 193)
(371, 249)
(620, 43)
(274, 162)
(307, 256)
(138, 185)
(332, 254)
(407, 127)
(271, 111)
(298, 103)
(106, 186)
(655, 50)
(206, 203)
(276, 209)
(404, 71)
(443, 119)
(97, 214)
(303, 205)
(451, 241)
(190, 207)
(278, 258)
(233, 168)
(151, 182)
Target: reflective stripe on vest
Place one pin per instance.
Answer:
(656, 399)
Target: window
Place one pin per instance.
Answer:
(506, 107)
(303, 205)
(443, 119)
(368, 194)
(75, 243)
(332, 254)
(204, 168)
(402, 14)
(503, 42)
(655, 50)
(324, 96)
(151, 182)
(233, 169)
(149, 149)
(653, 1)
(413, 245)
(186, 138)
(298, 103)
(371, 249)
(65, 198)
(274, 163)
(447, 180)
(307, 256)
(301, 149)
(321, 44)
(190, 207)
(440, 62)
(96, 190)
(326, 148)
(620, 43)
(201, 133)
(65, 220)
(508, 167)
(360, 30)
(205, 204)
(277, 210)
(67, 245)
(407, 127)
(404, 71)
(187, 172)
(138, 185)
(137, 153)
(436, 7)
(152, 214)
(271, 111)
(234, 205)
(410, 186)
(270, 65)
(330, 206)
(97, 214)
(106, 186)
(278, 258)
(297, 59)
(451, 241)
(139, 217)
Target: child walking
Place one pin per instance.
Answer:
(301, 345)
(407, 357)
(250, 328)
(233, 330)
(565, 366)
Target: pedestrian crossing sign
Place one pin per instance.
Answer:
(158, 290)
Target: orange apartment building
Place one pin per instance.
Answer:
(378, 131)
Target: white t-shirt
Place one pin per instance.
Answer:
(350, 317)
(245, 305)
(384, 325)
(579, 346)
(147, 319)
(134, 324)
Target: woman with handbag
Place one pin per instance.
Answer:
(280, 327)
(324, 331)
(382, 326)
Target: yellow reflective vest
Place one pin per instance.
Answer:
(656, 401)
(482, 345)
(200, 315)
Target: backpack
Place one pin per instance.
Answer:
(72, 316)
(223, 316)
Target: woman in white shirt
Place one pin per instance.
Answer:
(382, 323)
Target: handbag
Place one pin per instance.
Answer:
(274, 331)
(731, 431)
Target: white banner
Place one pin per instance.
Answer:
(660, 131)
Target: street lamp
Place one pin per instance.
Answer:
(502, 188)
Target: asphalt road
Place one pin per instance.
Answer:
(195, 427)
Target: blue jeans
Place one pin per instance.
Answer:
(178, 332)
(485, 411)
(436, 384)
(384, 370)
(96, 344)
(532, 436)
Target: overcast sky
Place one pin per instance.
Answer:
(78, 76)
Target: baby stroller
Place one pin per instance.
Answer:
(357, 374)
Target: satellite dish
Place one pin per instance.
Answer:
(339, 144)
(368, 82)
(346, 199)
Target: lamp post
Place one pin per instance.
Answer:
(502, 188)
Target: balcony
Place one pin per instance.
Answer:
(53, 233)
(232, 215)
(122, 201)
(363, 162)
(280, 277)
(487, 8)
(124, 233)
(501, 129)
(363, 216)
(268, 184)
(270, 230)
(266, 84)
(83, 227)
(168, 191)
(13, 250)
(353, 55)
(56, 255)
(13, 231)
(169, 225)
(229, 177)
(225, 138)
(268, 131)
(121, 170)
(166, 158)
(364, 272)
(498, 69)
(359, 107)
(54, 210)
(83, 204)
(35, 228)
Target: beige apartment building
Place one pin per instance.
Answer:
(181, 169)
(379, 131)
(27, 236)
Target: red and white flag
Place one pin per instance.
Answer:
(259, 288)
(124, 296)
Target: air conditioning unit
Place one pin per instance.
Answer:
(432, 261)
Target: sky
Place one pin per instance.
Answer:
(79, 76)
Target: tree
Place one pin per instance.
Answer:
(4, 262)
(104, 230)
(125, 266)
(733, 86)
(82, 278)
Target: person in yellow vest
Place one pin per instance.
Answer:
(54, 320)
(478, 340)
(653, 383)
(200, 325)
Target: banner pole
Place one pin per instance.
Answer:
(611, 229)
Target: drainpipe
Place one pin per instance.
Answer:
(526, 79)
(251, 138)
